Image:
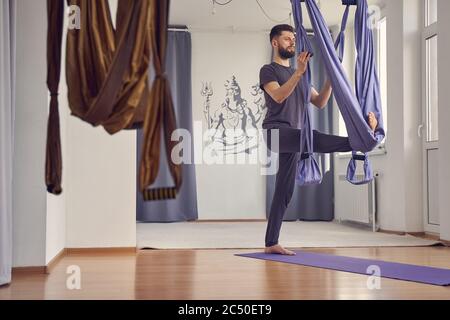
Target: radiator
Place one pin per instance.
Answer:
(356, 203)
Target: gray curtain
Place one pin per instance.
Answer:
(184, 207)
(314, 203)
(7, 79)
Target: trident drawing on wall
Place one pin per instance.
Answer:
(207, 91)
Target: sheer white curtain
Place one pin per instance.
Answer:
(7, 56)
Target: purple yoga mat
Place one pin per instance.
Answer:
(392, 270)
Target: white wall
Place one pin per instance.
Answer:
(228, 191)
(400, 183)
(101, 184)
(444, 115)
(97, 207)
(39, 218)
(30, 200)
(101, 195)
(412, 114)
(56, 222)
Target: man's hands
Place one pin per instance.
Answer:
(302, 62)
(280, 93)
(320, 100)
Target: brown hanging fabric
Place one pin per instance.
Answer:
(107, 69)
(107, 78)
(53, 159)
(161, 111)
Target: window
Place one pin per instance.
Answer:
(382, 67)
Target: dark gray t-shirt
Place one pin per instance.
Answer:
(286, 114)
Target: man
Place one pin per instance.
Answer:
(281, 85)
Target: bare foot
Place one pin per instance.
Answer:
(373, 122)
(277, 249)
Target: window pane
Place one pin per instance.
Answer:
(431, 12)
(382, 67)
(432, 90)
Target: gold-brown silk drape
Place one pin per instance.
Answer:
(107, 69)
(161, 111)
(107, 77)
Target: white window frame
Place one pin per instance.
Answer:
(427, 15)
(429, 31)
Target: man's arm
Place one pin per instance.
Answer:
(281, 93)
(320, 100)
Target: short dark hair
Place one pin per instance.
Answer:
(278, 30)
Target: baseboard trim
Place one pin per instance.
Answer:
(72, 251)
(51, 265)
(398, 233)
(424, 235)
(427, 235)
(112, 250)
(37, 269)
(418, 234)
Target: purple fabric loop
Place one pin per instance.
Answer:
(308, 171)
(351, 171)
(354, 108)
(340, 42)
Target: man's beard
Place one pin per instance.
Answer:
(285, 54)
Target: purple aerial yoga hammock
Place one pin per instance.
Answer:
(354, 109)
(308, 171)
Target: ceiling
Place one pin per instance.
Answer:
(244, 14)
